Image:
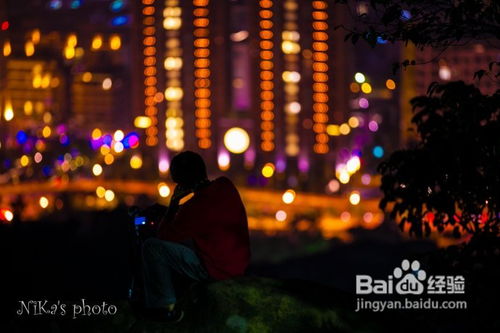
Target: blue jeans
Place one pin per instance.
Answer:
(161, 258)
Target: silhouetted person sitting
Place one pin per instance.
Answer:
(211, 217)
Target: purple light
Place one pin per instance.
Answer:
(107, 139)
(303, 164)
(356, 152)
(250, 156)
(60, 129)
(373, 126)
(280, 164)
(363, 103)
(64, 140)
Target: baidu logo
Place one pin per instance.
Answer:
(410, 279)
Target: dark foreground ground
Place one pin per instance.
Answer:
(313, 289)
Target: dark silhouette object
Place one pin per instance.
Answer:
(451, 179)
(203, 236)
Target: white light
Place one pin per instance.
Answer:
(280, 215)
(353, 164)
(9, 216)
(118, 147)
(97, 169)
(444, 73)
(293, 107)
(107, 83)
(289, 76)
(333, 185)
(163, 165)
(354, 198)
(236, 140)
(359, 77)
(119, 135)
(288, 197)
(44, 202)
(109, 195)
(239, 36)
(224, 160)
(163, 190)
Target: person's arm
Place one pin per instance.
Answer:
(177, 223)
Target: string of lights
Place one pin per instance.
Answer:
(266, 76)
(320, 76)
(202, 82)
(150, 73)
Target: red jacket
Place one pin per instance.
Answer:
(215, 219)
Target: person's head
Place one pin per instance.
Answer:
(188, 169)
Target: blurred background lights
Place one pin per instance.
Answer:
(373, 126)
(136, 162)
(390, 84)
(366, 88)
(223, 160)
(268, 170)
(236, 140)
(142, 122)
(333, 185)
(345, 216)
(354, 198)
(100, 191)
(359, 77)
(366, 179)
(109, 195)
(107, 83)
(44, 202)
(97, 169)
(363, 103)
(8, 215)
(378, 151)
(288, 197)
(280, 215)
(163, 190)
(118, 135)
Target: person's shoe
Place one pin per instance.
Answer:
(164, 315)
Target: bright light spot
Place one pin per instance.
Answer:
(142, 122)
(359, 77)
(44, 202)
(96, 42)
(96, 133)
(239, 36)
(163, 190)
(293, 107)
(378, 151)
(97, 169)
(224, 160)
(109, 159)
(29, 48)
(355, 198)
(345, 216)
(115, 42)
(268, 170)
(363, 103)
(172, 63)
(136, 162)
(390, 84)
(353, 122)
(281, 215)
(444, 73)
(288, 197)
(163, 165)
(333, 185)
(333, 130)
(109, 195)
(172, 23)
(38, 157)
(344, 177)
(118, 147)
(290, 47)
(373, 126)
(8, 113)
(87, 77)
(366, 88)
(107, 83)
(25, 160)
(105, 149)
(236, 140)
(173, 94)
(9, 216)
(119, 135)
(353, 165)
(366, 179)
(100, 191)
(291, 77)
(344, 129)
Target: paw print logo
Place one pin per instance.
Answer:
(410, 282)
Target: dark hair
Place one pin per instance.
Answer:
(188, 168)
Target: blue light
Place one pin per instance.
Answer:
(55, 4)
(21, 137)
(405, 15)
(64, 140)
(75, 4)
(378, 151)
(119, 20)
(107, 139)
(380, 40)
(117, 5)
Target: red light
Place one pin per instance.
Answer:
(5, 25)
